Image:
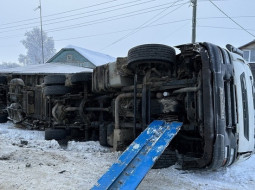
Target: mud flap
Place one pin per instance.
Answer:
(136, 161)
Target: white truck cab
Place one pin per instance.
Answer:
(244, 90)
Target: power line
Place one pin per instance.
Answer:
(103, 21)
(9, 37)
(95, 5)
(146, 23)
(62, 28)
(59, 13)
(223, 17)
(121, 16)
(170, 11)
(176, 30)
(149, 21)
(72, 10)
(220, 27)
(103, 12)
(112, 18)
(68, 16)
(232, 19)
(108, 33)
(120, 31)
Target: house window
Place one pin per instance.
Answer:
(252, 56)
(246, 55)
(69, 58)
(249, 55)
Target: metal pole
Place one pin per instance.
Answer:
(41, 31)
(194, 20)
(135, 102)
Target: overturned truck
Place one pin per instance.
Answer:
(207, 88)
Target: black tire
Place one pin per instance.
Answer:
(3, 118)
(78, 78)
(56, 90)
(110, 131)
(57, 134)
(167, 159)
(103, 135)
(3, 80)
(155, 54)
(94, 136)
(54, 80)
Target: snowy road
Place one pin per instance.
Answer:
(29, 162)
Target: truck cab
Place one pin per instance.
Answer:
(244, 85)
(207, 88)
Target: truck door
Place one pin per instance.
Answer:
(245, 109)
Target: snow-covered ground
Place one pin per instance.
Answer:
(27, 162)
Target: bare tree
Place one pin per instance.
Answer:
(33, 44)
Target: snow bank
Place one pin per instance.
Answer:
(52, 68)
(8, 131)
(29, 162)
(90, 146)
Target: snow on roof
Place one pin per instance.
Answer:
(46, 68)
(94, 57)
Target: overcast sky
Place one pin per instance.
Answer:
(115, 26)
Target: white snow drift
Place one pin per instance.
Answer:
(27, 161)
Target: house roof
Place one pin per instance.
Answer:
(253, 41)
(48, 68)
(95, 58)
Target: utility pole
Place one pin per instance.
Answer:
(194, 20)
(41, 31)
(40, 7)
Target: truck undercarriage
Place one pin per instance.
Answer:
(116, 102)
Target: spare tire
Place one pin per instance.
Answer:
(103, 135)
(78, 78)
(54, 80)
(157, 55)
(56, 90)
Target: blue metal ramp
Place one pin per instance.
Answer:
(136, 161)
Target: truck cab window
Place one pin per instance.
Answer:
(245, 106)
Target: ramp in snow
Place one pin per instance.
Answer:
(139, 157)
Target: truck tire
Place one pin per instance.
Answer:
(3, 80)
(56, 90)
(167, 159)
(3, 118)
(54, 80)
(80, 78)
(103, 135)
(57, 134)
(154, 54)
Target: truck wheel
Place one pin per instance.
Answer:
(56, 90)
(157, 55)
(3, 118)
(3, 80)
(54, 80)
(103, 135)
(80, 78)
(57, 134)
(167, 159)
